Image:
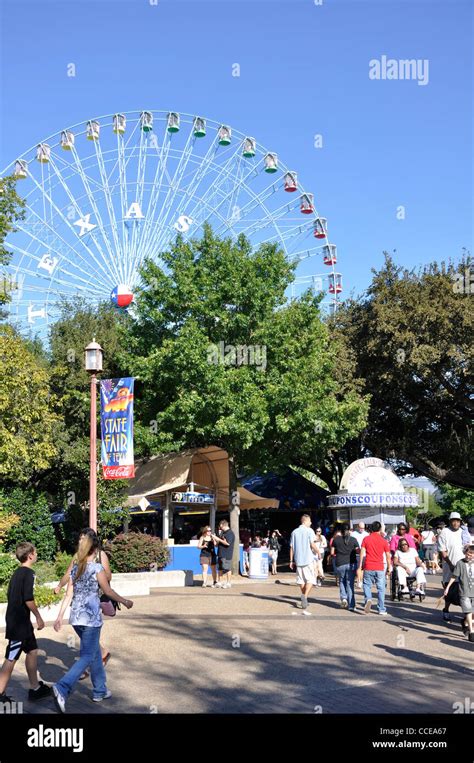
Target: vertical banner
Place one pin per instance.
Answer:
(116, 423)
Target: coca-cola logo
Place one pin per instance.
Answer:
(118, 471)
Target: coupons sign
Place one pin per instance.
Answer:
(116, 419)
(373, 499)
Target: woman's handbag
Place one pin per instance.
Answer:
(108, 606)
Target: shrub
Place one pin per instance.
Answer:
(132, 552)
(44, 572)
(7, 521)
(44, 596)
(61, 563)
(35, 523)
(8, 565)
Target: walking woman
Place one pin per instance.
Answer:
(86, 618)
(102, 559)
(343, 550)
(208, 557)
(273, 549)
(322, 545)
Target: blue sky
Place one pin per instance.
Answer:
(304, 70)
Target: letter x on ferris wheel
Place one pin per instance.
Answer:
(104, 195)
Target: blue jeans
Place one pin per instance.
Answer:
(89, 655)
(346, 574)
(377, 578)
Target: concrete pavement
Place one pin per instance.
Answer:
(249, 649)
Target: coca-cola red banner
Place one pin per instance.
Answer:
(116, 419)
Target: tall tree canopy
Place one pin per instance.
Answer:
(28, 419)
(412, 336)
(78, 324)
(216, 303)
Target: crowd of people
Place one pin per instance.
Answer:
(370, 557)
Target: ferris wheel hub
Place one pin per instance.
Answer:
(121, 296)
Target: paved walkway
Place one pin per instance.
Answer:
(249, 649)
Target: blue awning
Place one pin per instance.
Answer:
(292, 490)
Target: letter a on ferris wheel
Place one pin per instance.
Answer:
(105, 195)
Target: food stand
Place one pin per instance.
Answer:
(371, 491)
(192, 482)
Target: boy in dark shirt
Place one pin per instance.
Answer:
(19, 630)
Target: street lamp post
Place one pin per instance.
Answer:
(93, 363)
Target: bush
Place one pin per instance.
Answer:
(35, 523)
(61, 563)
(133, 552)
(8, 565)
(44, 596)
(7, 521)
(44, 572)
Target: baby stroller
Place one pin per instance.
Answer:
(397, 589)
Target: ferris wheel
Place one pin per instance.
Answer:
(104, 195)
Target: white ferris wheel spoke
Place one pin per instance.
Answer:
(104, 237)
(108, 200)
(68, 223)
(167, 206)
(149, 224)
(74, 203)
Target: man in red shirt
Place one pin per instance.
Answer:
(373, 549)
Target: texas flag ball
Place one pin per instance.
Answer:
(121, 296)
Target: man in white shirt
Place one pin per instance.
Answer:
(302, 548)
(451, 546)
(360, 533)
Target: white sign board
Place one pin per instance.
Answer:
(383, 500)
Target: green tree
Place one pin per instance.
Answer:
(288, 405)
(35, 523)
(68, 478)
(222, 359)
(411, 334)
(11, 210)
(457, 499)
(28, 421)
(7, 521)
